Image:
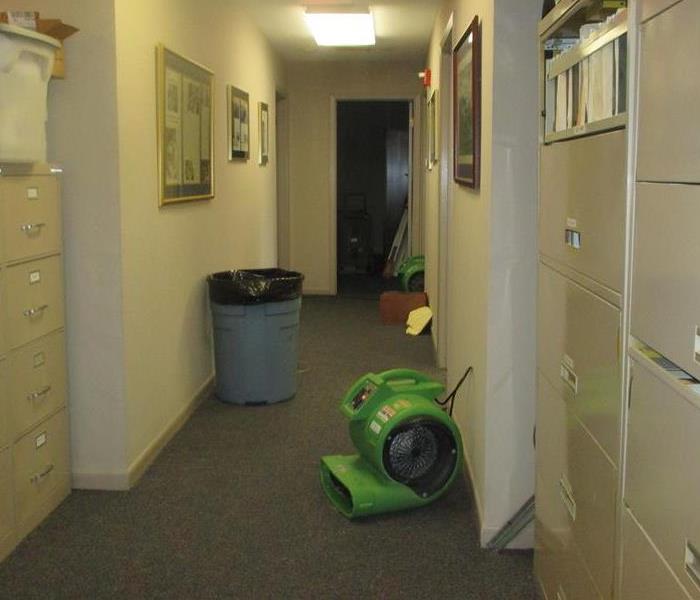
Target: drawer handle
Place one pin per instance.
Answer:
(32, 227)
(39, 393)
(567, 497)
(32, 312)
(570, 378)
(38, 477)
(692, 562)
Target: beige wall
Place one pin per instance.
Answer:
(311, 87)
(167, 252)
(491, 271)
(137, 324)
(511, 387)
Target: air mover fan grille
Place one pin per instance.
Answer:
(413, 452)
(421, 454)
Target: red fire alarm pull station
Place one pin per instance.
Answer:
(425, 77)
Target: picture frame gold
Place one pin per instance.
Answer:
(264, 133)
(238, 112)
(185, 128)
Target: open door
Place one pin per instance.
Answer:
(373, 184)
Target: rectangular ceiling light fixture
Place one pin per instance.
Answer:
(341, 26)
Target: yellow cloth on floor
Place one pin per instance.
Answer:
(418, 320)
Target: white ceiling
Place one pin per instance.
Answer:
(402, 27)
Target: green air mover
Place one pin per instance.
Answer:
(412, 274)
(410, 450)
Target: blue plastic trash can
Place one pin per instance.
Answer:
(255, 317)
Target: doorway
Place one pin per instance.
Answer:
(282, 173)
(372, 190)
(444, 206)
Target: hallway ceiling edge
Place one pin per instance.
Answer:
(403, 29)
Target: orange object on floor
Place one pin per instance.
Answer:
(395, 306)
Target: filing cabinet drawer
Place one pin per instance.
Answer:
(651, 8)
(7, 504)
(3, 300)
(577, 209)
(578, 352)
(644, 573)
(552, 461)
(38, 384)
(662, 487)
(593, 491)
(4, 406)
(576, 489)
(669, 134)
(561, 571)
(34, 299)
(41, 470)
(666, 287)
(31, 216)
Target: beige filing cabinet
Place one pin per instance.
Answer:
(34, 443)
(582, 251)
(661, 533)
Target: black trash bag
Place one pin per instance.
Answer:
(254, 286)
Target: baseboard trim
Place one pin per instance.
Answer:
(146, 458)
(121, 481)
(483, 531)
(317, 292)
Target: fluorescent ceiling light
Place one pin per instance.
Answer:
(341, 27)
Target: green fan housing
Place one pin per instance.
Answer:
(409, 449)
(412, 274)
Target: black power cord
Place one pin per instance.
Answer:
(453, 394)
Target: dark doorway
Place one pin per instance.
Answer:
(373, 190)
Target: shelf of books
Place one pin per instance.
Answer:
(585, 69)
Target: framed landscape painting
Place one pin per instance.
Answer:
(466, 73)
(185, 125)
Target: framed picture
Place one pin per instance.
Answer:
(238, 123)
(466, 74)
(432, 124)
(185, 128)
(264, 129)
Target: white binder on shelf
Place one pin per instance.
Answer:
(562, 89)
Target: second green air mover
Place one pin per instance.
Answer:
(409, 449)
(412, 274)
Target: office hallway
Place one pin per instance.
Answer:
(233, 508)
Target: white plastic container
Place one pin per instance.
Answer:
(26, 62)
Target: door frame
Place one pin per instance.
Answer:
(282, 180)
(445, 189)
(414, 127)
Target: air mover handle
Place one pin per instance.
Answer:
(409, 380)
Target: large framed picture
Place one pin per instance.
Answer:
(432, 125)
(238, 123)
(466, 73)
(185, 128)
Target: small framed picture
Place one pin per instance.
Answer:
(466, 76)
(238, 123)
(432, 125)
(185, 128)
(264, 129)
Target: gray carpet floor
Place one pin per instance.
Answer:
(233, 508)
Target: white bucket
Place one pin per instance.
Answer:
(26, 62)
